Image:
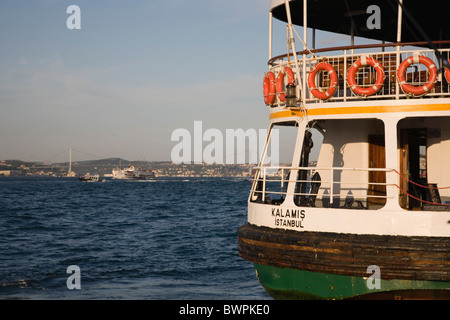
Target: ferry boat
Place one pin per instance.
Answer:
(361, 209)
(133, 173)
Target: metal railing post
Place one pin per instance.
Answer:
(264, 185)
(331, 187)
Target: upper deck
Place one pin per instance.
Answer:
(357, 79)
(390, 96)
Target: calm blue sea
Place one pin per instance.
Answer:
(172, 238)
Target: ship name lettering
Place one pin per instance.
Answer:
(289, 213)
(288, 223)
(288, 217)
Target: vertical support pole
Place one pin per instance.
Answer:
(399, 21)
(352, 36)
(399, 39)
(264, 185)
(305, 35)
(345, 75)
(392, 162)
(70, 161)
(314, 38)
(331, 187)
(270, 34)
(292, 42)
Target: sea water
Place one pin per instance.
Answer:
(170, 238)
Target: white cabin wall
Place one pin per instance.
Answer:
(346, 145)
(438, 155)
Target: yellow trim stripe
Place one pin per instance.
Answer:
(362, 110)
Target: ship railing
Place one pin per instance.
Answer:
(342, 187)
(390, 57)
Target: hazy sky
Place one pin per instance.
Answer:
(135, 71)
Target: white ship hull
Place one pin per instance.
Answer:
(132, 173)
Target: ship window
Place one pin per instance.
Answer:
(342, 168)
(424, 152)
(270, 178)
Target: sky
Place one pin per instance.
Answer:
(135, 72)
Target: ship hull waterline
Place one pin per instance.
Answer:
(317, 265)
(291, 284)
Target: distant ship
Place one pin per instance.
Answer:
(133, 173)
(90, 178)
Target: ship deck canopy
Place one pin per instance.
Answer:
(350, 17)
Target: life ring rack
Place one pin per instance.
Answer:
(323, 95)
(280, 81)
(447, 74)
(269, 89)
(351, 76)
(273, 85)
(417, 90)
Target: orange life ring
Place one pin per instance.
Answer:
(269, 88)
(323, 95)
(447, 74)
(364, 61)
(417, 90)
(280, 82)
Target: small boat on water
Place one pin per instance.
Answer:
(89, 178)
(362, 208)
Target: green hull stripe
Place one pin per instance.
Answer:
(287, 283)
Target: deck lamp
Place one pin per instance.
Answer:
(291, 98)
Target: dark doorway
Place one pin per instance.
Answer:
(413, 166)
(377, 159)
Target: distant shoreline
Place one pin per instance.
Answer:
(104, 168)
